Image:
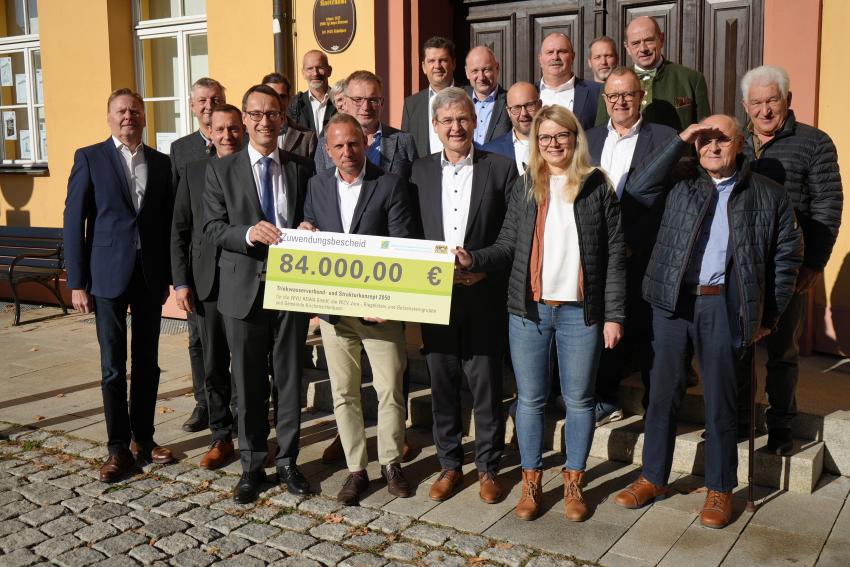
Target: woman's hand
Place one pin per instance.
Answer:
(612, 333)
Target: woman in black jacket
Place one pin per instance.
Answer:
(567, 288)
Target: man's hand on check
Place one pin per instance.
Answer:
(307, 226)
(264, 232)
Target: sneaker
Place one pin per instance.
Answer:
(607, 413)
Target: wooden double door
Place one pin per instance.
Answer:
(720, 38)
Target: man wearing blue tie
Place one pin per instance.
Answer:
(250, 196)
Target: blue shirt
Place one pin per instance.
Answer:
(707, 264)
(483, 112)
(373, 152)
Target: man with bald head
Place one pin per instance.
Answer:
(488, 97)
(560, 86)
(676, 96)
(522, 103)
(314, 107)
(722, 271)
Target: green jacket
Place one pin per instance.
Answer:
(679, 98)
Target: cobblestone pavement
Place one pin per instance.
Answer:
(53, 510)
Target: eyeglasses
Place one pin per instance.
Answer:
(361, 100)
(562, 138)
(463, 122)
(614, 97)
(257, 115)
(722, 141)
(529, 107)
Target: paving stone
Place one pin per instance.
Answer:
(319, 506)
(227, 546)
(192, 558)
(144, 516)
(549, 561)
(96, 532)
(203, 534)
(443, 559)
(224, 483)
(225, 523)
(147, 484)
(43, 515)
(241, 560)
(97, 453)
(120, 544)
(79, 503)
(429, 535)
(70, 481)
(124, 523)
(327, 553)
(46, 475)
(25, 470)
(291, 542)
(367, 541)
(79, 557)
(198, 477)
(8, 464)
(357, 516)
(62, 526)
(200, 516)
(23, 538)
(9, 495)
(94, 489)
(760, 545)
(330, 532)
(263, 514)
(19, 558)
(117, 561)
(264, 553)
(122, 496)
(296, 562)
(56, 546)
(103, 512)
(175, 470)
(363, 560)
(285, 499)
(162, 527)
(10, 526)
(229, 506)
(404, 551)
(44, 495)
(391, 523)
(147, 554)
(175, 489)
(467, 544)
(175, 543)
(205, 498)
(172, 508)
(257, 533)
(148, 501)
(294, 522)
(15, 509)
(506, 554)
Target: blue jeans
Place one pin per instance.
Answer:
(578, 346)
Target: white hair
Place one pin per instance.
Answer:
(451, 95)
(764, 76)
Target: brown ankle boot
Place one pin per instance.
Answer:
(575, 509)
(532, 494)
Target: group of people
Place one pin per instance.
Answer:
(608, 225)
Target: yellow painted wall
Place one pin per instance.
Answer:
(240, 43)
(86, 51)
(359, 55)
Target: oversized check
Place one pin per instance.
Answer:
(401, 279)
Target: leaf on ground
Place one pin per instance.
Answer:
(504, 545)
(164, 409)
(34, 349)
(39, 418)
(362, 530)
(476, 560)
(60, 395)
(333, 519)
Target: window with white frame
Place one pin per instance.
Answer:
(22, 131)
(171, 54)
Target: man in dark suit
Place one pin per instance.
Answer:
(619, 148)
(194, 267)
(560, 86)
(206, 94)
(463, 195)
(488, 97)
(116, 255)
(294, 138)
(438, 64)
(392, 150)
(359, 198)
(521, 103)
(249, 197)
(313, 107)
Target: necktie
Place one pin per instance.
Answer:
(373, 153)
(210, 149)
(646, 78)
(267, 190)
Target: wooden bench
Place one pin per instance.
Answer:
(31, 254)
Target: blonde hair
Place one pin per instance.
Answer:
(537, 175)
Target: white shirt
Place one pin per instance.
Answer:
(278, 184)
(318, 107)
(135, 171)
(456, 194)
(347, 195)
(564, 94)
(617, 154)
(433, 139)
(521, 152)
(561, 253)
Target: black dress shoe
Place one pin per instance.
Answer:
(779, 441)
(198, 421)
(293, 479)
(248, 487)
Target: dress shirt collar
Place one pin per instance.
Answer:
(639, 69)
(119, 145)
(254, 155)
(726, 182)
(206, 140)
(357, 181)
(432, 92)
(571, 84)
(465, 161)
(322, 101)
(633, 131)
(489, 98)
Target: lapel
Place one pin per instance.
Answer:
(422, 124)
(291, 138)
(597, 144)
(434, 202)
(580, 98)
(151, 172)
(498, 110)
(370, 182)
(118, 168)
(290, 175)
(245, 181)
(389, 144)
(480, 173)
(644, 142)
(307, 109)
(332, 220)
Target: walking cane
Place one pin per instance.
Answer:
(751, 507)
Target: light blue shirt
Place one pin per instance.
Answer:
(707, 265)
(483, 113)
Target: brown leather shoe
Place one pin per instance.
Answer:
(717, 510)
(334, 452)
(218, 455)
(490, 490)
(397, 485)
(117, 466)
(445, 484)
(409, 451)
(639, 493)
(532, 494)
(150, 452)
(575, 508)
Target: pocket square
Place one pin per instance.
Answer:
(681, 101)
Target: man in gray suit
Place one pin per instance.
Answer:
(392, 150)
(249, 197)
(206, 94)
(293, 138)
(438, 64)
(488, 96)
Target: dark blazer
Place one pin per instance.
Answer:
(500, 120)
(184, 151)
(231, 207)
(102, 228)
(503, 145)
(193, 258)
(301, 111)
(414, 120)
(398, 152)
(585, 102)
(299, 140)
